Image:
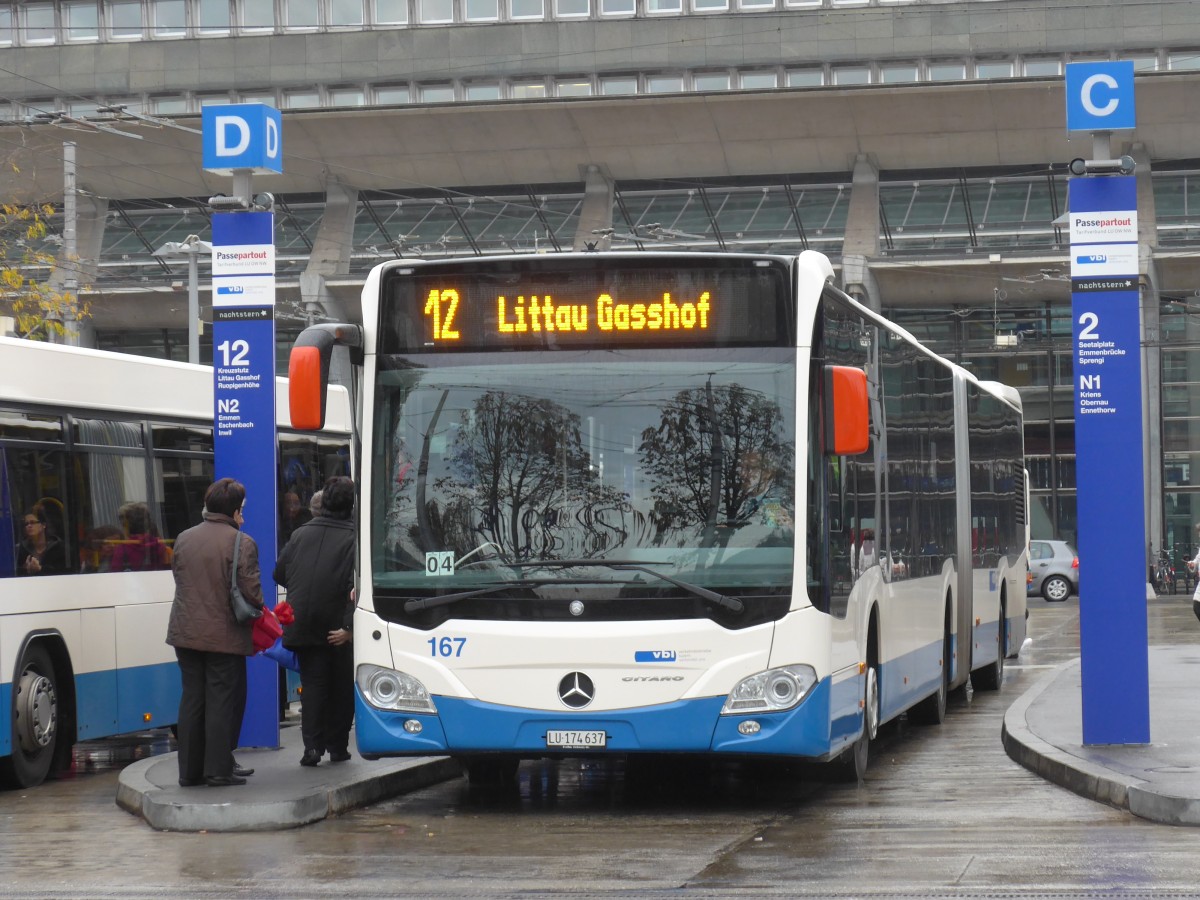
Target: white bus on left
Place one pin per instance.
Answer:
(104, 459)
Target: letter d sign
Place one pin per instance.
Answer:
(245, 137)
(233, 136)
(1100, 96)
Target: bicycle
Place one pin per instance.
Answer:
(1164, 573)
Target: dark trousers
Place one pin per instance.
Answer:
(210, 711)
(327, 699)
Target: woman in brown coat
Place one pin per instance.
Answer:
(210, 644)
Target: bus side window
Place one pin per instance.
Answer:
(299, 478)
(110, 474)
(183, 470)
(36, 481)
(305, 462)
(26, 475)
(837, 494)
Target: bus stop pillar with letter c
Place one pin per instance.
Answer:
(242, 140)
(1105, 311)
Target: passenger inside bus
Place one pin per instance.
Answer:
(760, 498)
(98, 548)
(40, 552)
(292, 515)
(141, 548)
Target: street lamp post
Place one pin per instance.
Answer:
(191, 247)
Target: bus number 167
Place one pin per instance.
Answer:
(446, 646)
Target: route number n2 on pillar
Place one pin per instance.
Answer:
(244, 392)
(241, 140)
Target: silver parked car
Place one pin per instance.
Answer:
(1053, 570)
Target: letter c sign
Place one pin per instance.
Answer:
(1100, 96)
(1088, 98)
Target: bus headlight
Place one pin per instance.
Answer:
(771, 691)
(389, 689)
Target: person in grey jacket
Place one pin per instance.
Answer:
(209, 643)
(317, 568)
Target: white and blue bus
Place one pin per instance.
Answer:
(665, 503)
(104, 459)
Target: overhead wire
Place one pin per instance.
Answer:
(320, 163)
(859, 14)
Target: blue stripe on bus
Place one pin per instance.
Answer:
(845, 712)
(986, 634)
(897, 695)
(1016, 632)
(115, 701)
(687, 726)
(148, 691)
(96, 704)
(803, 731)
(6, 705)
(828, 720)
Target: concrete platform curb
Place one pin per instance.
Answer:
(1054, 763)
(1157, 804)
(1159, 781)
(279, 795)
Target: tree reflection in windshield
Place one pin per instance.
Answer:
(717, 459)
(519, 471)
(485, 465)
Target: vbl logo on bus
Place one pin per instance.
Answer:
(655, 656)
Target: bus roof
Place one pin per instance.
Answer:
(55, 375)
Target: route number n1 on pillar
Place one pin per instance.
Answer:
(1108, 413)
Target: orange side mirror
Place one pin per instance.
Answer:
(308, 370)
(848, 411)
(306, 389)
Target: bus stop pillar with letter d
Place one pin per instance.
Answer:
(242, 140)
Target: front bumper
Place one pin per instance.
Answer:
(686, 726)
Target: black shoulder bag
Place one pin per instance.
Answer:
(243, 610)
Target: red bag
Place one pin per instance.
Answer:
(284, 613)
(267, 630)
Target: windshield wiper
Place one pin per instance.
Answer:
(633, 565)
(419, 603)
(621, 565)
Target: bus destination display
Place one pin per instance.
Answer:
(521, 314)
(538, 308)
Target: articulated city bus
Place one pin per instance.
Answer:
(665, 503)
(104, 459)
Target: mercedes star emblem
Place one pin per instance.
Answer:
(576, 690)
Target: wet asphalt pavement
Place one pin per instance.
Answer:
(944, 813)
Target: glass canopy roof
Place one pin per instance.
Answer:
(918, 216)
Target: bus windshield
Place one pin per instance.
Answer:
(536, 477)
